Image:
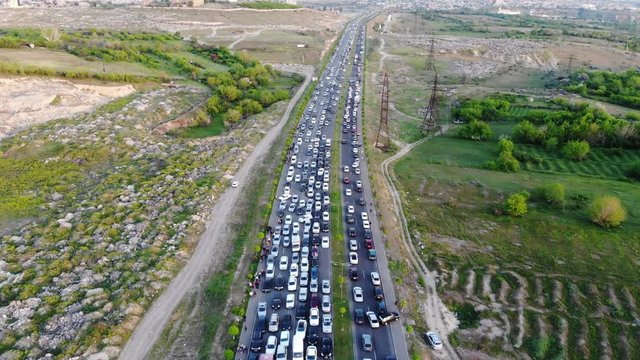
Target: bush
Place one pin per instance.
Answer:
(516, 203)
(607, 211)
(527, 157)
(551, 144)
(576, 150)
(633, 172)
(228, 354)
(526, 132)
(552, 194)
(505, 145)
(475, 130)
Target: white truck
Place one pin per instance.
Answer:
(298, 347)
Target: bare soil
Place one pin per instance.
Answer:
(29, 101)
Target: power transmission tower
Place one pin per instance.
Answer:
(430, 64)
(570, 64)
(382, 140)
(431, 114)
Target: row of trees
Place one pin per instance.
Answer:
(620, 88)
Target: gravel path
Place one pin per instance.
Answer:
(204, 256)
(438, 318)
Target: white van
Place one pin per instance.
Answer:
(327, 143)
(298, 347)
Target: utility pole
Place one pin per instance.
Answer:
(570, 64)
(382, 140)
(430, 64)
(431, 115)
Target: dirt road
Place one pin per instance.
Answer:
(204, 256)
(437, 316)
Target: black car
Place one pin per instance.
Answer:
(361, 202)
(314, 335)
(326, 349)
(285, 322)
(377, 293)
(350, 219)
(276, 303)
(353, 274)
(382, 307)
(256, 344)
(267, 285)
(261, 326)
(325, 227)
(352, 232)
(359, 316)
(279, 283)
(315, 240)
(367, 234)
(301, 311)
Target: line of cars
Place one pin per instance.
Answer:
(294, 280)
(368, 300)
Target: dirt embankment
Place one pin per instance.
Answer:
(29, 101)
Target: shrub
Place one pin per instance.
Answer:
(507, 163)
(576, 150)
(607, 211)
(516, 203)
(228, 354)
(551, 193)
(475, 130)
(633, 172)
(468, 316)
(551, 144)
(505, 145)
(526, 132)
(527, 157)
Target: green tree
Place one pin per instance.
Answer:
(229, 355)
(234, 331)
(607, 211)
(214, 105)
(552, 194)
(343, 310)
(576, 150)
(249, 106)
(229, 92)
(475, 130)
(505, 145)
(516, 203)
(201, 118)
(526, 132)
(233, 116)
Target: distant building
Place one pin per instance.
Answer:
(186, 3)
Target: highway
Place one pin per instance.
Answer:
(388, 340)
(311, 129)
(301, 211)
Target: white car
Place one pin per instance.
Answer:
(272, 344)
(325, 216)
(235, 184)
(434, 340)
(304, 264)
(353, 258)
(325, 242)
(326, 303)
(347, 192)
(313, 285)
(326, 286)
(288, 220)
(314, 317)
(302, 295)
(346, 169)
(326, 323)
(304, 278)
(326, 200)
(356, 171)
(353, 246)
(364, 215)
(316, 228)
(284, 337)
(290, 303)
(373, 320)
(273, 322)
(351, 209)
(358, 295)
(292, 284)
(284, 263)
(375, 278)
(325, 187)
(301, 329)
(293, 271)
(312, 353)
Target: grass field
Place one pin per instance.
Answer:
(568, 267)
(64, 61)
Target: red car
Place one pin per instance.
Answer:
(368, 243)
(346, 180)
(315, 302)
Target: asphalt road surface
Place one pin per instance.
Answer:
(311, 130)
(387, 340)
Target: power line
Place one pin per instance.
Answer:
(382, 140)
(431, 114)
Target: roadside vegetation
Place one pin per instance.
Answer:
(268, 5)
(619, 88)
